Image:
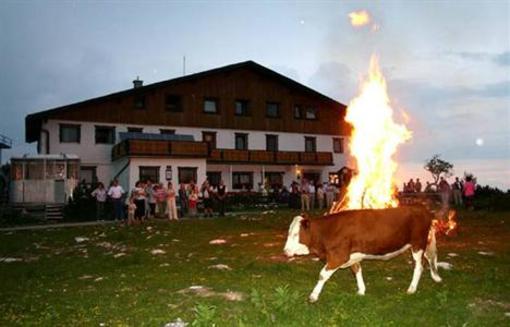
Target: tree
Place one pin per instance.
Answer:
(437, 167)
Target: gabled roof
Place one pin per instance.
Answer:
(33, 121)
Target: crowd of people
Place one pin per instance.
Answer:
(460, 192)
(149, 200)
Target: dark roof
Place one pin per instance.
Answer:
(33, 121)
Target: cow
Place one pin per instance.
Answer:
(346, 238)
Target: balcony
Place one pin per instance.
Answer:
(269, 157)
(192, 149)
(159, 148)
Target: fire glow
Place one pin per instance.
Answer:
(374, 140)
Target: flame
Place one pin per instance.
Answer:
(374, 140)
(359, 18)
(446, 227)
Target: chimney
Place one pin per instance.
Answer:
(137, 82)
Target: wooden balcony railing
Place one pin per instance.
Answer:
(270, 157)
(191, 149)
(158, 148)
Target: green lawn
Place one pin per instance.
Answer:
(60, 282)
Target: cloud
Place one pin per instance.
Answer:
(501, 59)
(334, 79)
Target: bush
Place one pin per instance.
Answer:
(12, 217)
(491, 198)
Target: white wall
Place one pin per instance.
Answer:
(99, 155)
(136, 163)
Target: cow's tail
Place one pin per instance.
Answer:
(431, 254)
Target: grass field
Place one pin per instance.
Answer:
(140, 276)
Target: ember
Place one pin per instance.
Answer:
(447, 226)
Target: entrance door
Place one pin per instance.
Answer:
(60, 195)
(312, 176)
(214, 177)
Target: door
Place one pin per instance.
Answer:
(60, 193)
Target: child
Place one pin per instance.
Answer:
(193, 199)
(131, 211)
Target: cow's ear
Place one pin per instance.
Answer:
(305, 223)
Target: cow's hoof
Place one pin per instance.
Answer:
(361, 293)
(313, 299)
(437, 279)
(411, 290)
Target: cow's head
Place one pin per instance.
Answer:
(299, 231)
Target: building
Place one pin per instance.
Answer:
(242, 123)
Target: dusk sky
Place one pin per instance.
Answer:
(447, 63)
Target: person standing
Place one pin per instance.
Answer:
(417, 186)
(444, 190)
(221, 196)
(183, 200)
(140, 197)
(115, 192)
(469, 191)
(305, 197)
(100, 195)
(330, 195)
(150, 199)
(311, 196)
(193, 200)
(160, 195)
(457, 192)
(320, 197)
(207, 197)
(170, 202)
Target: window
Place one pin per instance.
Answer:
(272, 109)
(310, 144)
(139, 102)
(242, 180)
(105, 135)
(88, 174)
(338, 145)
(135, 130)
(34, 169)
(211, 106)
(271, 142)
(242, 108)
(149, 172)
(311, 113)
(167, 131)
(70, 133)
(298, 112)
(274, 179)
(214, 177)
(241, 141)
(173, 103)
(210, 139)
(187, 175)
(55, 169)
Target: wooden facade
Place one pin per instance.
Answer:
(247, 81)
(187, 149)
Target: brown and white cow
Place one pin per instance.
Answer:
(346, 238)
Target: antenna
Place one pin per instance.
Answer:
(184, 66)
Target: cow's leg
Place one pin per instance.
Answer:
(418, 268)
(356, 269)
(324, 275)
(431, 256)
